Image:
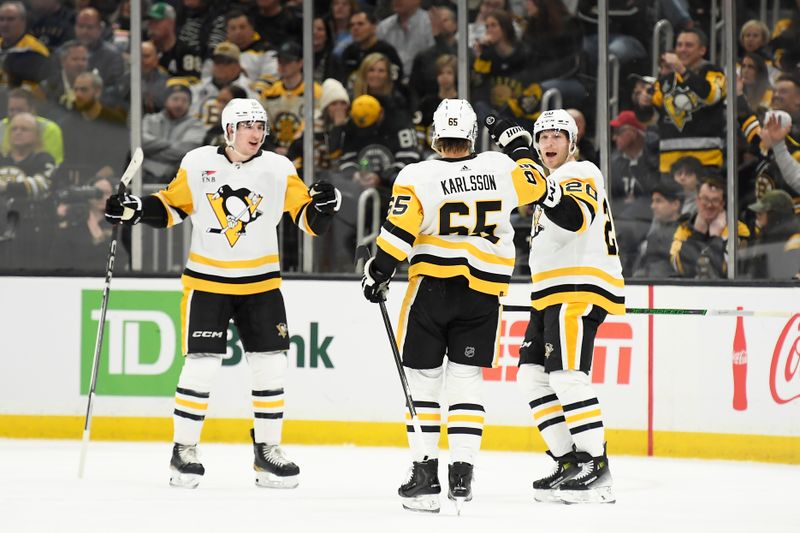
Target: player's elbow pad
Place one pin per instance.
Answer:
(154, 213)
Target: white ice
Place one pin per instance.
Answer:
(353, 489)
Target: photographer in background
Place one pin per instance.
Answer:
(82, 235)
(24, 185)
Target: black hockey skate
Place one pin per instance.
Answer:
(566, 467)
(459, 476)
(421, 490)
(593, 484)
(185, 467)
(273, 469)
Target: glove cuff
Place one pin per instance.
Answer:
(516, 135)
(553, 195)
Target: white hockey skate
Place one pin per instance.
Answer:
(185, 468)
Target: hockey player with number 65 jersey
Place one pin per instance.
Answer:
(236, 196)
(450, 219)
(577, 281)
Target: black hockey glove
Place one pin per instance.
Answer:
(508, 135)
(325, 197)
(375, 283)
(126, 210)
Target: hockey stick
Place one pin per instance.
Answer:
(677, 311)
(130, 172)
(362, 252)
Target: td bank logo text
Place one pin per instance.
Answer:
(141, 353)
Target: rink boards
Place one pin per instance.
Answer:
(666, 383)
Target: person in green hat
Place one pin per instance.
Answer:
(775, 252)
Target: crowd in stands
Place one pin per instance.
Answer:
(380, 68)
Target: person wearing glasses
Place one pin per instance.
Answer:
(699, 246)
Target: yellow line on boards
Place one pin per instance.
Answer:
(764, 448)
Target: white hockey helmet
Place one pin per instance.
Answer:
(242, 110)
(556, 119)
(454, 119)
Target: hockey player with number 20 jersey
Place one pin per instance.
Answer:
(577, 281)
(450, 219)
(235, 196)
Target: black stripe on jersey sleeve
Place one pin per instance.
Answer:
(578, 405)
(274, 392)
(580, 287)
(400, 233)
(466, 407)
(239, 280)
(543, 400)
(451, 261)
(190, 392)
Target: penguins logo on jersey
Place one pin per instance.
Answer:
(679, 103)
(234, 211)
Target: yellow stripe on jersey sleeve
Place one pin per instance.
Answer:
(296, 195)
(405, 209)
(177, 195)
(486, 257)
(390, 249)
(529, 182)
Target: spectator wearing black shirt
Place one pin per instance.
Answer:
(25, 180)
(363, 26)
(52, 22)
(424, 71)
(277, 24)
(554, 40)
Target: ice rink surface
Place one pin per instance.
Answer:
(125, 489)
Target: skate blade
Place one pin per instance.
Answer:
(428, 503)
(546, 496)
(596, 495)
(271, 481)
(184, 481)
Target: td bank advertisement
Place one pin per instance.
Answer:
(672, 374)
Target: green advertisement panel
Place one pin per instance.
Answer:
(141, 349)
(141, 353)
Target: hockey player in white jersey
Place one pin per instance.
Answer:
(236, 196)
(577, 281)
(450, 219)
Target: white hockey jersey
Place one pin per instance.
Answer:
(451, 218)
(235, 208)
(581, 266)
